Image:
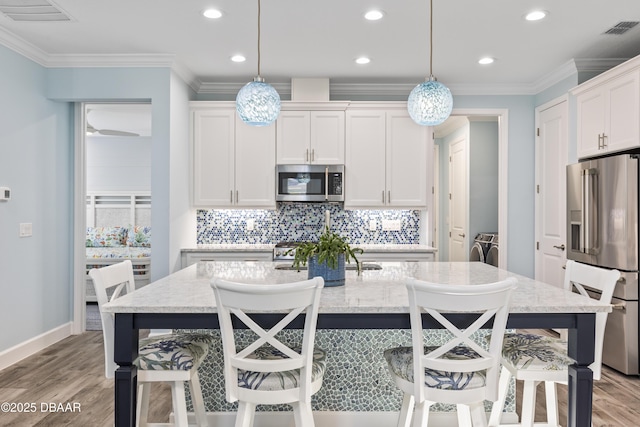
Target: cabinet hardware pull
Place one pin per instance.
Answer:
(604, 139)
(236, 196)
(389, 196)
(313, 155)
(383, 197)
(561, 247)
(230, 196)
(307, 155)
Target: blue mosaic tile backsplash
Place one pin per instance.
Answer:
(304, 222)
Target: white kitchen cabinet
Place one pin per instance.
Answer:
(385, 161)
(310, 137)
(233, 163)
(608, 113)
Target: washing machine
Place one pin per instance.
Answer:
(481, 246)
(493, 253)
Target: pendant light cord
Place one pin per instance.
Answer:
(430, 39)
(258, 38)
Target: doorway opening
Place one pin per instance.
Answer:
(115, 154)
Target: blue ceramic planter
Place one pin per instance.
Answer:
(331, 276)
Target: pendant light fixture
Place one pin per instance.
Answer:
(430, 103)
(258, 103)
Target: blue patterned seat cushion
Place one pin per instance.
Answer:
(530, 351)
(284, 380)
(400, 361)
(173, 352)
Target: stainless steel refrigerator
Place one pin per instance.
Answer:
(602, 230)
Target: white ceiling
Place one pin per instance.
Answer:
(303, 38)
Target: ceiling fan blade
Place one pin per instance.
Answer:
(111, 132)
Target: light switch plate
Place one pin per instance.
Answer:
(251, 224)
(373, 224)
(391, 224)
(26, 229)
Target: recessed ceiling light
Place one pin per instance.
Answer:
(362, 60)
(212, 13)
(238, 58)
(373, 15)
(486, 60)
(536, 15)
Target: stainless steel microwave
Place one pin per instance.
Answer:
(310, 183)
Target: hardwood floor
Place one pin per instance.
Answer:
(72, 372)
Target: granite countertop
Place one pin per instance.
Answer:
(256, 247)
(374, 291)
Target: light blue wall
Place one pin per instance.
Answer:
(483, 179)
(36, 152)
(520, 174)
(132, 84)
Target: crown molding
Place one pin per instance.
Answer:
(44, 59)
(23, 47)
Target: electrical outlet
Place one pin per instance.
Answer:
(373, 224)
(251, 224)
(391, 224)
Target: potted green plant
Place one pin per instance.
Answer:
(327, 257)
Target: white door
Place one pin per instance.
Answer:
(551, 161)
(458, 167)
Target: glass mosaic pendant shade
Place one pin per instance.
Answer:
(430, 103)
(258, 103)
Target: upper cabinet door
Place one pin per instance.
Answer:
(255, 166)
(213, 157)
(622, 121)
(608, 113)
(590, 116)
(327, 137)
(365, 159)
(406, 162)
(293, 137)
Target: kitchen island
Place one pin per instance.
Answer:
(355, 322)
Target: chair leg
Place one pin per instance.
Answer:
(478, 416)
(179, 404)
(464, 415)
(408, 402)
(552, 403)
(303, 414)
(528, 403)
(197, 400)
(498, 405)
(143, 404)
(421, 414)
(246, 411)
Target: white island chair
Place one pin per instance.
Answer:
(173, 358)
(460, 371)
(268, 371)
(539, 359)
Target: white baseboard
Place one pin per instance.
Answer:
(23, 350)
(338, 419)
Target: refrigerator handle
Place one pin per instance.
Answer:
(589, 205)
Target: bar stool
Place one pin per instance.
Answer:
(536, 359)
(267, 370)
(460, 371)
(170, 358)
